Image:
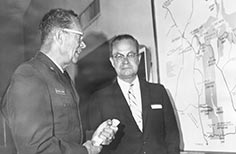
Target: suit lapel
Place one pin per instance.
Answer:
(76, 100)
(145, 104)
(71, 85)
(120, 101)
(123, 107)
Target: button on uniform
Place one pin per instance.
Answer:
(51, 68)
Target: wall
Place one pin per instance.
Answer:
(127, 17)
(11, 40)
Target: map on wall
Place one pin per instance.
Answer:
(197, 62)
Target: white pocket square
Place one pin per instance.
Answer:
(156, 106)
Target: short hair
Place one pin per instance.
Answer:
(123, 37)
(56, 18)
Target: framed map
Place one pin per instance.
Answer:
(197, 63)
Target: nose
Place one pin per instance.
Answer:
(125, 60)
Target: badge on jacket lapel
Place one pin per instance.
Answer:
(156, 106)
(60, 92)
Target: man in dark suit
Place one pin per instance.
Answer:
(41, 106)
(147, 121)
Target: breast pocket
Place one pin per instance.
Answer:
(156, 111)
(65, 112)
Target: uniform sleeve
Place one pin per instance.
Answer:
(171, 128)
(30, 117)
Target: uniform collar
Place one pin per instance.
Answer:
(48, 61)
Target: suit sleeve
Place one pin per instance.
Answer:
(30, 118)
(171, 128)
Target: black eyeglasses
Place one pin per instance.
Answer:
(121, 57)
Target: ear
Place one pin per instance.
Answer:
(58, 37)
(139, 58)
(112, 61)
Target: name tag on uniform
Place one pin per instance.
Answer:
(60, 91)
(156, 106)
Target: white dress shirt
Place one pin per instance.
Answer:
(136, 90)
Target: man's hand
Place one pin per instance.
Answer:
(91, 148)
(105, 132)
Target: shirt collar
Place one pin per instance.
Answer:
(125, 85)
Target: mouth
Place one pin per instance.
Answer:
(77, 53)
(125, 68)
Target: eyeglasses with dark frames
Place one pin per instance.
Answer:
(121, 57)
